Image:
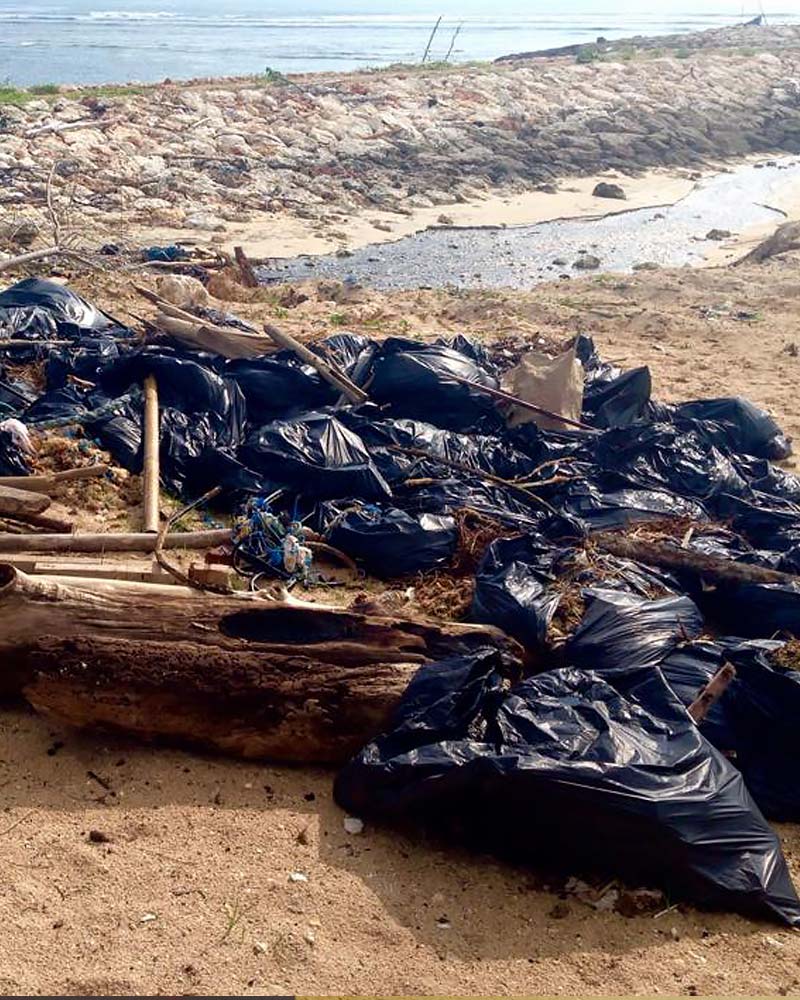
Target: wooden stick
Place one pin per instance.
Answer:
(133, 542)
(249, 279)
(44, 484)
(712, 692)
(329, 372)
(506, 397)
(25, 258)
(151, 464)
(430, 40)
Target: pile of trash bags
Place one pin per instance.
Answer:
(589, 757)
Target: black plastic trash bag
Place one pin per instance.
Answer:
(16, 395)
(389, 543)
(737, 424)
(623, 630)
(514, 588)
(275, 388)
(755, 610)
(754, 721)
(35, 309)
(414, 379)
(564, 769)
(611, 398)
(13, 461)
(662, 456)
(597, 509)
(618, 402)
(183, 383)
(316, 456)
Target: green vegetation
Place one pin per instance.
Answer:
(683, 53)
(20, 95)
(274, 77)
(588, 54)
(337, 319)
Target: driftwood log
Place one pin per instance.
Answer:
(669, 555)
(285, 680)
(22, 503)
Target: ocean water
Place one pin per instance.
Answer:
(101, 41)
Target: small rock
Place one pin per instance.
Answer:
(674, 934)
(147, 918)
(98, 837)
(353, 825)
(718, 234)
(546, 188)
(259, 947)
(559, 262)
(647, 265)
(560, 910)
(791, 349)
(445, 220)
(297, 877)
(309, 937)
(588, 262)
(606, 190)
(634, 902)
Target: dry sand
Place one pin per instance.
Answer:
(191, 894)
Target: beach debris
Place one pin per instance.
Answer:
(298, 877)
(606, 190)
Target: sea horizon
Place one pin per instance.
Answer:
(118, 41)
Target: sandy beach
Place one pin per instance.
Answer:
(130, 869)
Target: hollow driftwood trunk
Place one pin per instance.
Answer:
(289, 682)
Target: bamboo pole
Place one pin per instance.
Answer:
(151, 464)
(44, 484)
(110, 542)
(326, 370)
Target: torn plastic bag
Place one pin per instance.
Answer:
(488, 453)
(754, 722)
(58, 404)
(35, 309)
(756, 610)
(350, 352)
(390, 543)
(316, 456)
(622, 631)
(514, 588)
(611, 398)
(185, 440)
(597, 510)
(447, 496)
(183, 383)
(619, 402)
(662, 456)
(13, 461)
(566, 770)
(413, 379)
(738, 425)
(16, 395)
(277, 388)
(86, 360)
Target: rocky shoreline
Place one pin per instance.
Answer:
(204, 159)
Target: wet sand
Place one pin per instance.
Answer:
(743, 202)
